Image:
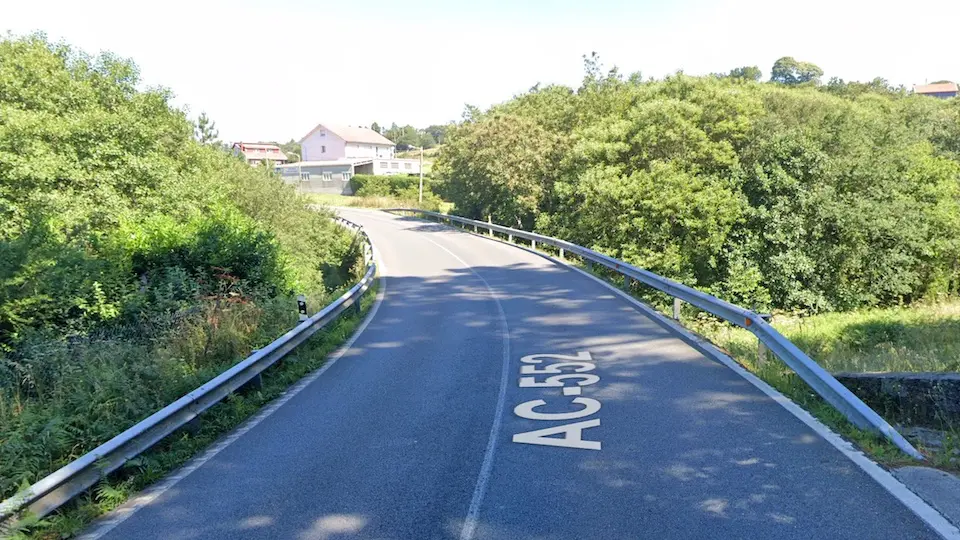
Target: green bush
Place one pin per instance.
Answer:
(368, 185)
(208, 246)
(803, 198)
(135, 262)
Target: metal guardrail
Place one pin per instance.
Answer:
(818, 378)
(79, 475)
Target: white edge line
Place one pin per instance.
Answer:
(486, 467)
(147, 496)
(895, 487)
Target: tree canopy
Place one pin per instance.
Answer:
(786, 195)
(788, 71)
(105, 189)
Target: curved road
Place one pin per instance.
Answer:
(446, 420)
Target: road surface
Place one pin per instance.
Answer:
(497, 395)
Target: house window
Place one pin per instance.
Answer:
(327, 177)
(408, 166)
(346, 175)
(305, 176)
(323, 149)
(394, 165)
(383, 164)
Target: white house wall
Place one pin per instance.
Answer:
(366, 150)
(396, 166)
(323, 145)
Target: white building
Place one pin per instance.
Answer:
(333, 154)
(329, 142)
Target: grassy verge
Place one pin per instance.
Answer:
(916, 338)
(374, 202)
(187, 442)
(922, 337)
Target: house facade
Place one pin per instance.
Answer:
(941, 90)
(257, 153)
(332, 155)
(330, 142)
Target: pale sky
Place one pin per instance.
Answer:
(273, 70)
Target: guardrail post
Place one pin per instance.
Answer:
(475, 229)
(761, 348)
(302, 307)
(626, 282)
(510, 238)
(561, 253)
(676, 309)
(589, 265)
(761, 353)
(533, 244)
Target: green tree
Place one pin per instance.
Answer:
(746, 73)
(291, 146)
(791, 72)
(438, 132)
(509, 178)
(813, 198)
(375, 126)
(206, 130)
(426, 140)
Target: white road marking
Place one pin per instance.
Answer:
(901, 492)
(486, 467)
(571, 390)
(526, 410)
(573, 436)
(147, 496)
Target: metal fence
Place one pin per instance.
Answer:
(76, 477)
(818, 378)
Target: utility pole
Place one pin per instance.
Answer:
(421, 175)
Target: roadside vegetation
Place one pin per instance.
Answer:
(834, 206)
(922, 337)
(393, 191)
(136, 261)
(784, 195)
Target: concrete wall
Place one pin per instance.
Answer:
(916, 399)
(323, 145)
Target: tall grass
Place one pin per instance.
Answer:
(180, 446)
(378, 201)
(921, 337)
(64, 397)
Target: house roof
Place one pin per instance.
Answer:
(935, 88)
(352, 134)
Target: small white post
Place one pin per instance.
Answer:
(676, 309)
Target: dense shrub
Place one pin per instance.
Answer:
(369, 185)
(101, 184)
(799, 198)
(135, 262)
(403, 188)
(775, 197)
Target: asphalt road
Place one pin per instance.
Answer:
(443, 422)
